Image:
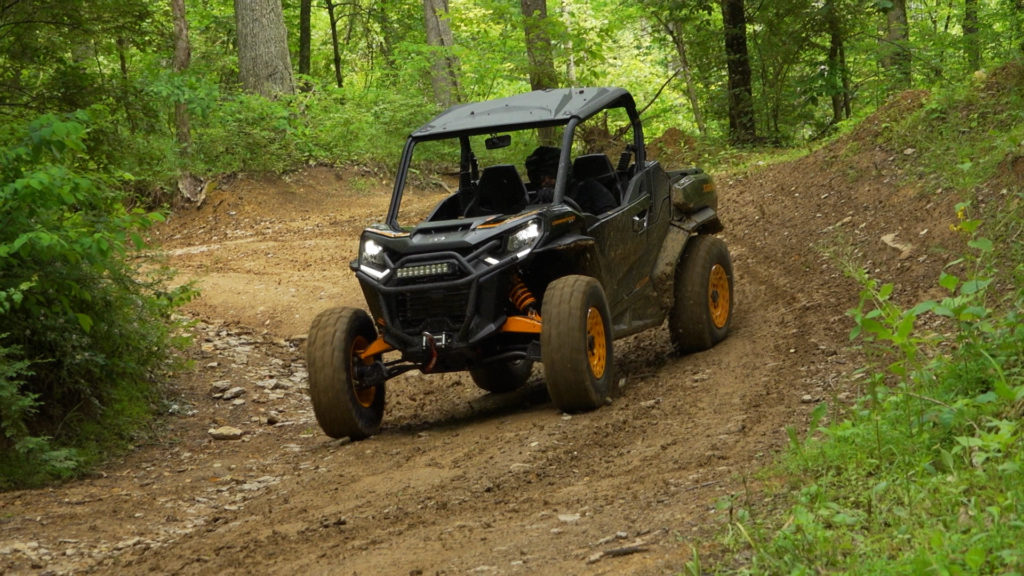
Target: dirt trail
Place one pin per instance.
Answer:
(461, 482)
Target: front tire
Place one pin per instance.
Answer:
(499, 377)
(342, 406)
(576, 344)
(702, 311)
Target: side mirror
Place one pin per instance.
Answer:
(495, 142)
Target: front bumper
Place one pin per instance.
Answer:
(447, 323)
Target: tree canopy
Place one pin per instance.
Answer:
(802, 67)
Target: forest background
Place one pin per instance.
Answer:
(112, 111)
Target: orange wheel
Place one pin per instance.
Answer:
(576, 344)
(719, 294)
(364, 395)
(343, 407)
(597, 349)
(702, 311)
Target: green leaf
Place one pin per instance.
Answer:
(817, 414)
(922, 307)
(949, 282)
(975, 286)
(877, 328)
(905, 327)
(85, 321)
(981, 244)
(975, 558)
(1004, 391)
(885, 291)
(973, 313)
(947, 459)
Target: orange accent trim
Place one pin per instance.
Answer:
(503, 219)
(386, 233)
(379, 346)
(522, 325)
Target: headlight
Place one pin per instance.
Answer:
(371, 259)
(523, 239)
(372, 254)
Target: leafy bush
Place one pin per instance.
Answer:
(85, 330)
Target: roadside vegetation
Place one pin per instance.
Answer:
(921, 475)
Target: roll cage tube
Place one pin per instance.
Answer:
(469, 171)
(564, 166)
(396, 194)
(564, 163)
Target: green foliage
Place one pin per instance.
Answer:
(85, 329)
(245, 133)
(114, 58)
(963, 132)
(922, 475)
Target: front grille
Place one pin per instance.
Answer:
(432, 310)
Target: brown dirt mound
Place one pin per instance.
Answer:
(460, 481)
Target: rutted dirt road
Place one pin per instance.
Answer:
(459, 481)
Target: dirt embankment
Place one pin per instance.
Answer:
(460, 481)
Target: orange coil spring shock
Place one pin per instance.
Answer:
(522, 297)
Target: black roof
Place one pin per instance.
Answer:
(538, 108)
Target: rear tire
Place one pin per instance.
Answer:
(576, 344)
(499, 377)
(342, 407)
(702, 311)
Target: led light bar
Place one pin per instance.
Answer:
(422, 270)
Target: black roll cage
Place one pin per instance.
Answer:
(564, 107)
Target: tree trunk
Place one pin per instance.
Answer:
(264, 64)
(675, 31)
(126, 100)
(338, 79)
(742, 129)
(1018, 26)
(182, 60)
(570, 59)
(897, 37)
(444, 68)
(382, 14)
(839, 77)
(538, 51)
(972, 45)
(538, 45)
(305, 39)
(189, 185)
